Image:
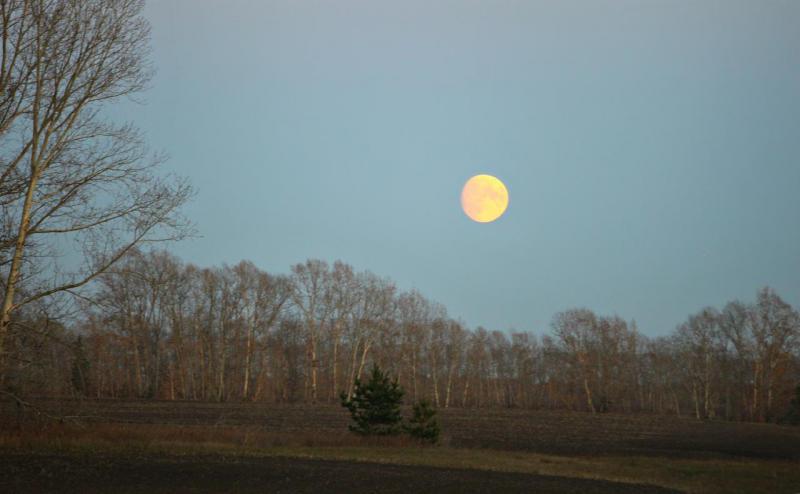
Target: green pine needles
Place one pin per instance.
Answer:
(792, 416)
(80, 368)
(423, 424)
(375, 405)
(375, 410)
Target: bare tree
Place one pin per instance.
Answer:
(416, 315)
(158, 328)
(311, 297)
(454, 354)
(67, 175)
(763, 339)
(345, 295)
(775, 328)
(576, 332)
(698, 340)
(263, 297)
(373, 314)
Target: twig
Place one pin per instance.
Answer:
(39, 411)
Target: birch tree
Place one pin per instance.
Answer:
(373, 314)
(68, 176)
(698, 340)
(310, 296)
(575, 330)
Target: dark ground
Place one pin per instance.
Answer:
(164, 474)
(571, 434)
(541, 431)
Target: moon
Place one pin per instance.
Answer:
(484, 198)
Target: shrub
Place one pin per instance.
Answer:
(375, 405)
(792, 416)
(80, 368)
(423, 424)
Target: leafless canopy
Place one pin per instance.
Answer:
(77, 190)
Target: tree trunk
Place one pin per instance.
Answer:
(313, 357)
(221, 363)
(449, 386)
(435, 379)
(696, 400)
(414, 373)
(248, 356)
(367, 345)
(334, 370)
(16, 259)
(756, 375)
(588, 394)
(351, 378)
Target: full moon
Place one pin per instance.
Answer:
(484, 198)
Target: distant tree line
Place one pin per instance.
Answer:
(155, 327)
(85, 312)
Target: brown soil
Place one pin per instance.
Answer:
(168, 474)
(552, 432)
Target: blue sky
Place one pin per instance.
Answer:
(651, 148)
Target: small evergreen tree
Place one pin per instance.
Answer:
(792, 416)
(375, 405)
(423, 424)
(80, 368)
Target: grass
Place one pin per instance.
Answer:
(706, 476)
(712, 475)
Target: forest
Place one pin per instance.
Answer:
(156, 327)
(90, 308)
(124, 365)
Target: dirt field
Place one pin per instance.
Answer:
(567, 433)
(153, 447)
(68, 474)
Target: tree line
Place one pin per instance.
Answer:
(155, 327)
(86, 311)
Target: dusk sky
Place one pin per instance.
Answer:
(651, 149)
